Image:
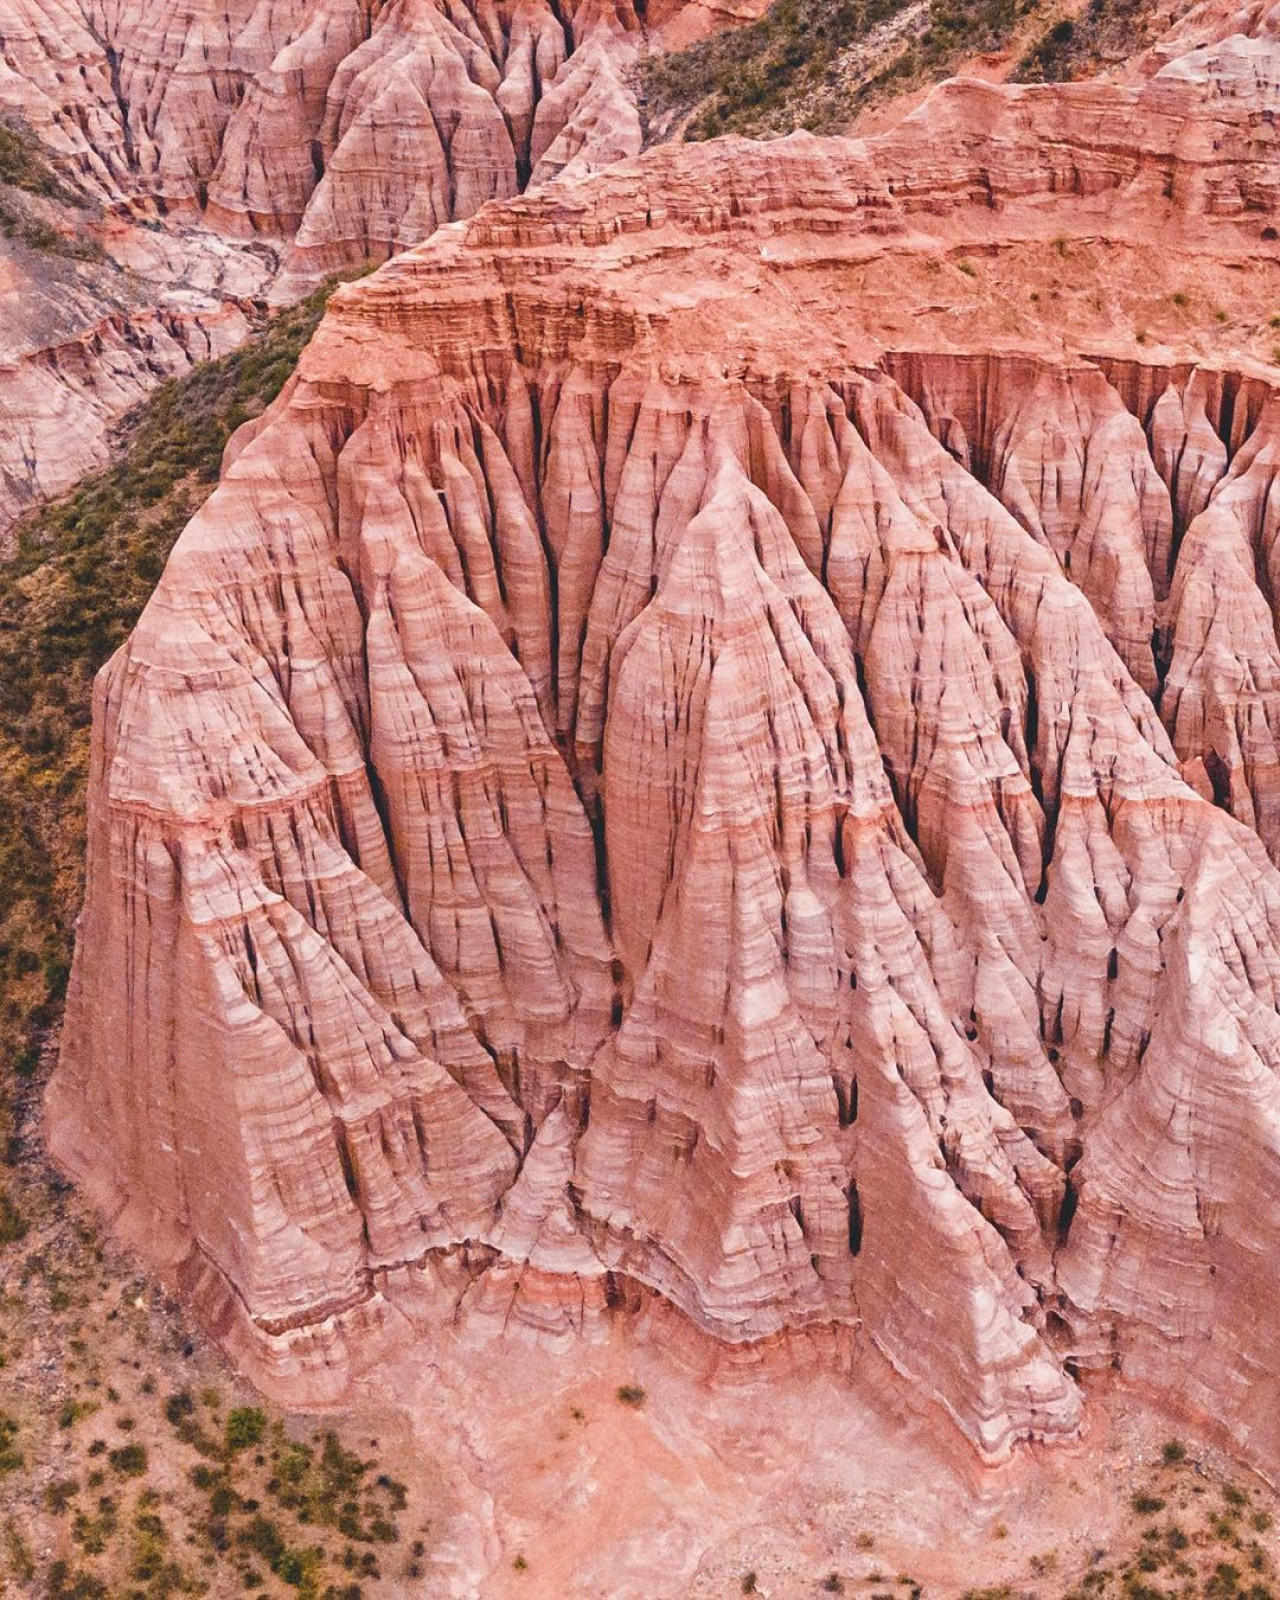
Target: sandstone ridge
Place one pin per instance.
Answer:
(643, 777)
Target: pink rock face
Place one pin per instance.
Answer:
(350, 128)
(633, 778)
(266, 146)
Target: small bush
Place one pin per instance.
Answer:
(1173, 1452)
(297, 1567)
(93, 1530)
(262, 1537)
(631, 1394)
(11, 1458)
(13, 1225)
(1147, 1505)
(223, 1500)
(130, 1460)
(59, 1494)
(245, 1428)
(68, 1583)
(1224, 1582)
(178, 1406)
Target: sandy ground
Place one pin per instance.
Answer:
(804, 1466)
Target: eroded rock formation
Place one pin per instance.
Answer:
(639, 777)
(223, 155)
(352, 128)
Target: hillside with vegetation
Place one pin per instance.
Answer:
(36, 208)
(817, 64)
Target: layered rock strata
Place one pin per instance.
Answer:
(348, 130)
(636, 779)
(215, 157)
(84, 341)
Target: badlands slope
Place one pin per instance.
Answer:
(711, 765)
(217, 156)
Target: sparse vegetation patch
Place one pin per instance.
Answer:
(816, 63)
(1106, 33)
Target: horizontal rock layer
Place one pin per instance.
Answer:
(634, 778)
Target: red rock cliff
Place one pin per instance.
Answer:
(687, 750)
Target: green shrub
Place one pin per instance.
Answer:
(263, 1537)
(130, 1460)
(59, 1494)
(245, 1428)
(13, 1225)
(93, 1531)
(178, 1406)
(66, 1583)
(297, 1567)
(11, 1458)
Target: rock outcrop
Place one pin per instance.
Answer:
(644, 775)
(84, 341)
(217, 157)
(351, 128)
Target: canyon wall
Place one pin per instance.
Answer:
(703, 745)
